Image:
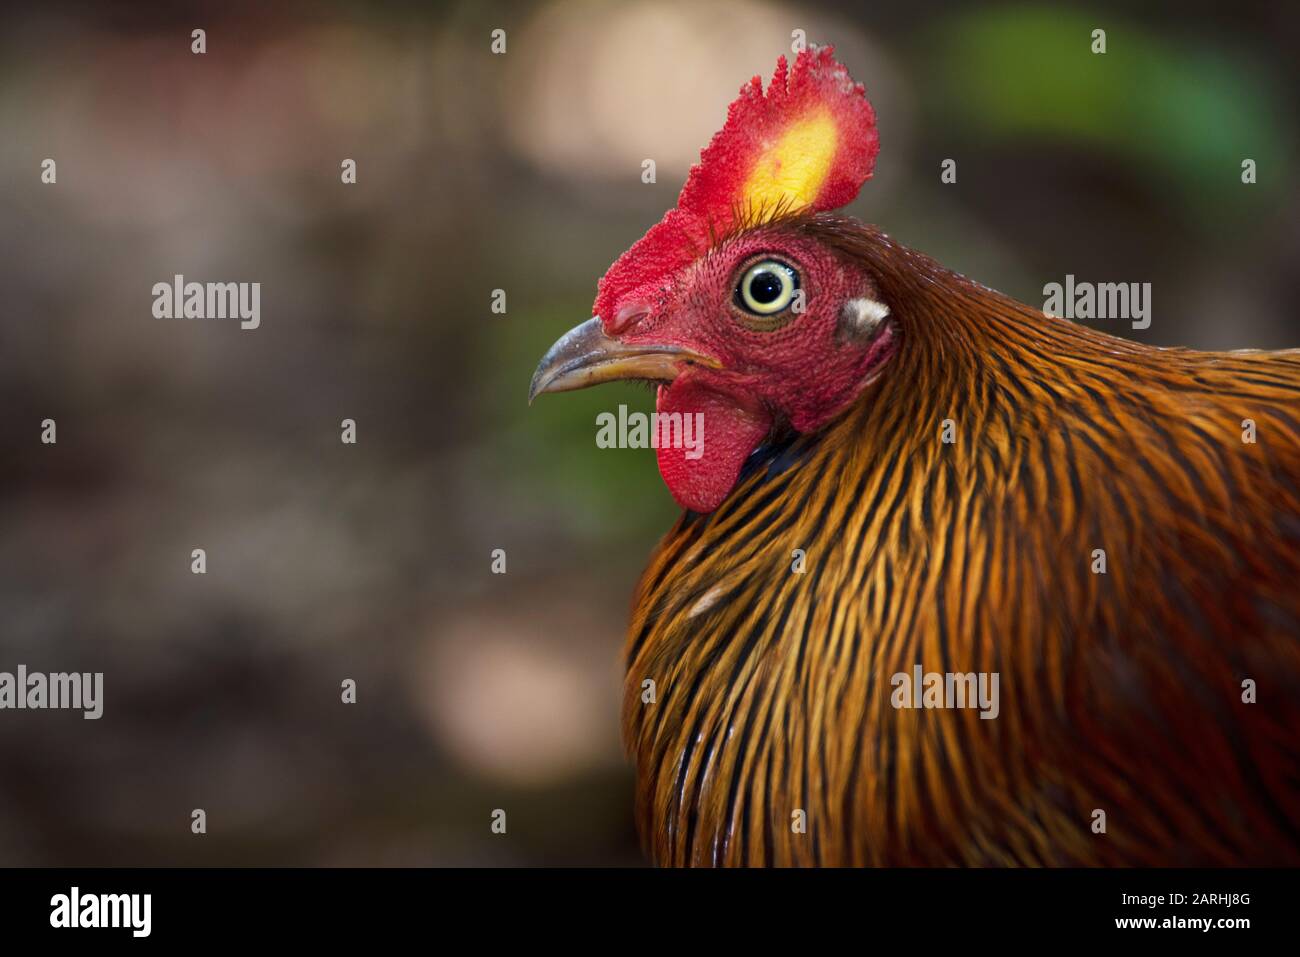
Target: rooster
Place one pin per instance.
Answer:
(903, 473)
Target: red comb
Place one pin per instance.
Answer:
(808, 143)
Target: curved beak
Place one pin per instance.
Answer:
(585, 356)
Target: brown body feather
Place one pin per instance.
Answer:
(1119, 691)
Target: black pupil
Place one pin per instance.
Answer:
(765, 287)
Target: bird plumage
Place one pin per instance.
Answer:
(1120, 691)
(906, 471)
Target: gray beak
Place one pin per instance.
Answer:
(585, 356)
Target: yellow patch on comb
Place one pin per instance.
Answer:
(790, 173)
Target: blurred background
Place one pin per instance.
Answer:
(476, 172)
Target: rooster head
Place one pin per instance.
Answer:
(733, 303)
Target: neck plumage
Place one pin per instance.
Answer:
(948, 519)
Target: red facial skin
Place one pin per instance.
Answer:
(664, 291)
(804, 373)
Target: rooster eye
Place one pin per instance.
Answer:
(767, 287)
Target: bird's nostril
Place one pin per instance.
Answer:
(628, 316)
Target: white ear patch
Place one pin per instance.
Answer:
(859, 318)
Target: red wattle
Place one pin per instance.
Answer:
(700, 478)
